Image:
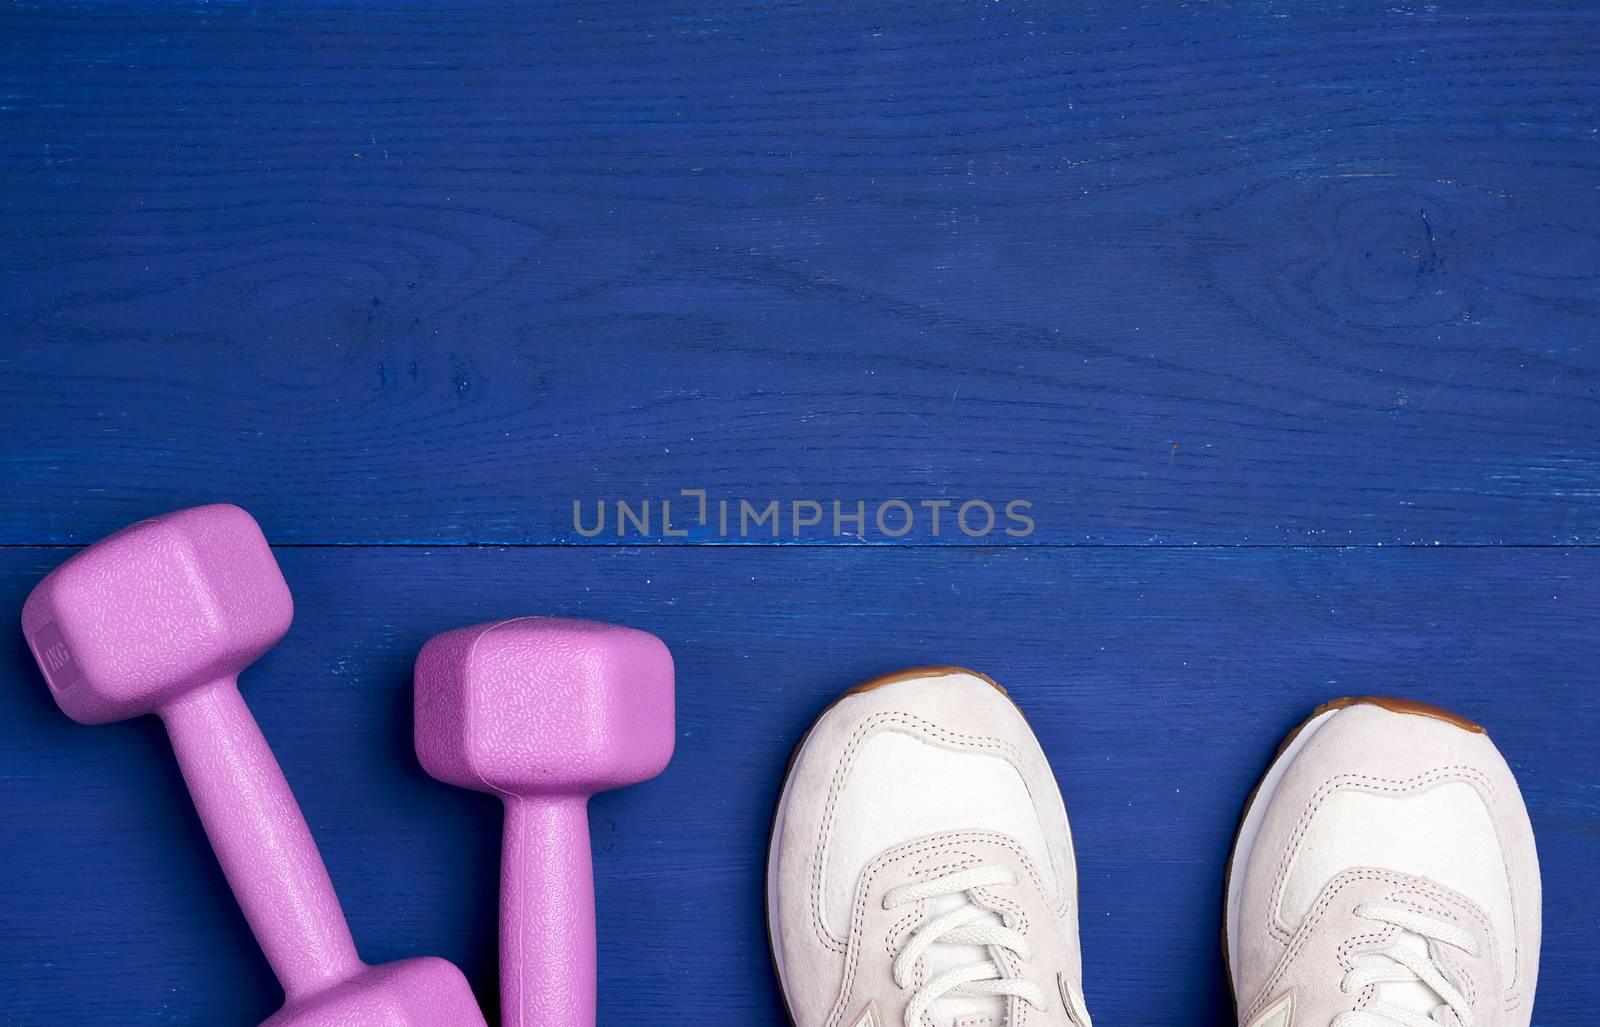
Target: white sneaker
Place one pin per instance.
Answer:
(1384, 876)
(921, 871)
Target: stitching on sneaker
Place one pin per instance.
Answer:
(949, 739)
(942, 845)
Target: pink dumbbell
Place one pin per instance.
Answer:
(160, 618)
(544, 713)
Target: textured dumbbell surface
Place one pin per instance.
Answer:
(157, 609)
(544, 712)
(422, 992)
(544, 705)
(160, 618)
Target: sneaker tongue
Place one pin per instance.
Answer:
(961, 1010)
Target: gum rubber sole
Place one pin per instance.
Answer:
(1290, 746)
(871, 684)
(1407, 706)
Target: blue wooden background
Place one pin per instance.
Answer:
(1283, 317)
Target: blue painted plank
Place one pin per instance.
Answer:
(1159, 682)
(1243, 273)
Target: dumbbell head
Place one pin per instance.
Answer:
(156, 609)
(541, 705)
(421, 992)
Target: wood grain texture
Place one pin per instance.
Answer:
(1229, 273)
(1159, 682)
(1287, 286)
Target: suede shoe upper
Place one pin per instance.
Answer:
(1385, 875)
(922, 865)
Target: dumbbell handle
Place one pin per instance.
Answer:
(547, 944)
(261, 838)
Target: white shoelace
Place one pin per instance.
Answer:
(960, 926)
(1403, 964)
